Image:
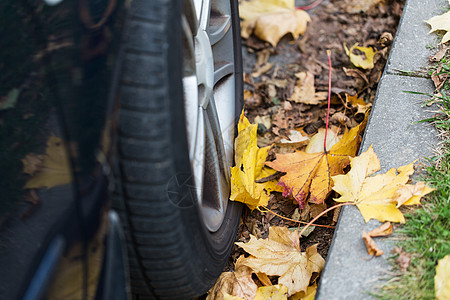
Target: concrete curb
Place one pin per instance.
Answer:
(347, 273)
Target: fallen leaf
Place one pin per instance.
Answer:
(384, 229)
(309, 295)
(310, 173)
(359, 60)
(49, 170)
(273, 292)
(262, 69)
(296, 140)
(442, 278)
(410, 194)
(264, 120)
(374, 196)
(357, 6)
(270, 20)
(280, 255)
(316, 143)
(305, 92)
(439, 78)
(441, 22)
(403, 260)
(250, 167)
(238, 283)
(372, 248)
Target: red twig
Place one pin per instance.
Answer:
(321, 214)
(329, 101)
(310, 6)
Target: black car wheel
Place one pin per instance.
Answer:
(180, 90)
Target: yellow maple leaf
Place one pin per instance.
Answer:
(441, 22)
(273, 292)
(374, 196)
(442, 279)
(310, 173)
(280, 255)
(238, 284)
(49, 170)
(270, 20)
(359, 60)
(305, 92)
(250, 167)
(309, 295)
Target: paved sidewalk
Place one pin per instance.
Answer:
(348, 274)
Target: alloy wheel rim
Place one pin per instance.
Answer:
(209, 98)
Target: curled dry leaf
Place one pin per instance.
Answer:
(374, 196)
(441, 22)
(270, 20)
(250, 167)
(372, 248)
(384, 229)
(442, 278)
(238, 283)
(49, 170)
(280, 255)
(360, 61)
(273, 292)
(305, 92)
(310, 173)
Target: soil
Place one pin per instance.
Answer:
(269, 75)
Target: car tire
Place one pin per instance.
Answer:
(174, 150)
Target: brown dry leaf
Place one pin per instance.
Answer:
(238, 283)
(384, 229)
(366, 61)
(410, 194)
(305, 92)
(270, 20)
(262, 69)
(280, 255)
(250, 167)
(49, 170)
(372, 248)
(374, 196)
(357, 6)
(441, 22)
(340, 118)
(403, 260)
(273, 292)
(310, 173)
(439, 78)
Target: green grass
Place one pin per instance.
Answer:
(426, 234)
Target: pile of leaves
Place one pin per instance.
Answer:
(298, 137)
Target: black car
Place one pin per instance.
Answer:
(117, 126)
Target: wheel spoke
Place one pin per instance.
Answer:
(218, 28)
(216, 185)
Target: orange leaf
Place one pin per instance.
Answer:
(310, 173)
(384, 229)
(372, 248)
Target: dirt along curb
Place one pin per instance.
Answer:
(348, 273)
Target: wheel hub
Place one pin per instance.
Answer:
(204, 62)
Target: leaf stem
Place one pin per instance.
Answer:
(292, 220)
(322, 213)
(329, 101)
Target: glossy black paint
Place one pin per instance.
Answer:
(57, 65)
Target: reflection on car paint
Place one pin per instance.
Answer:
(57, 112)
